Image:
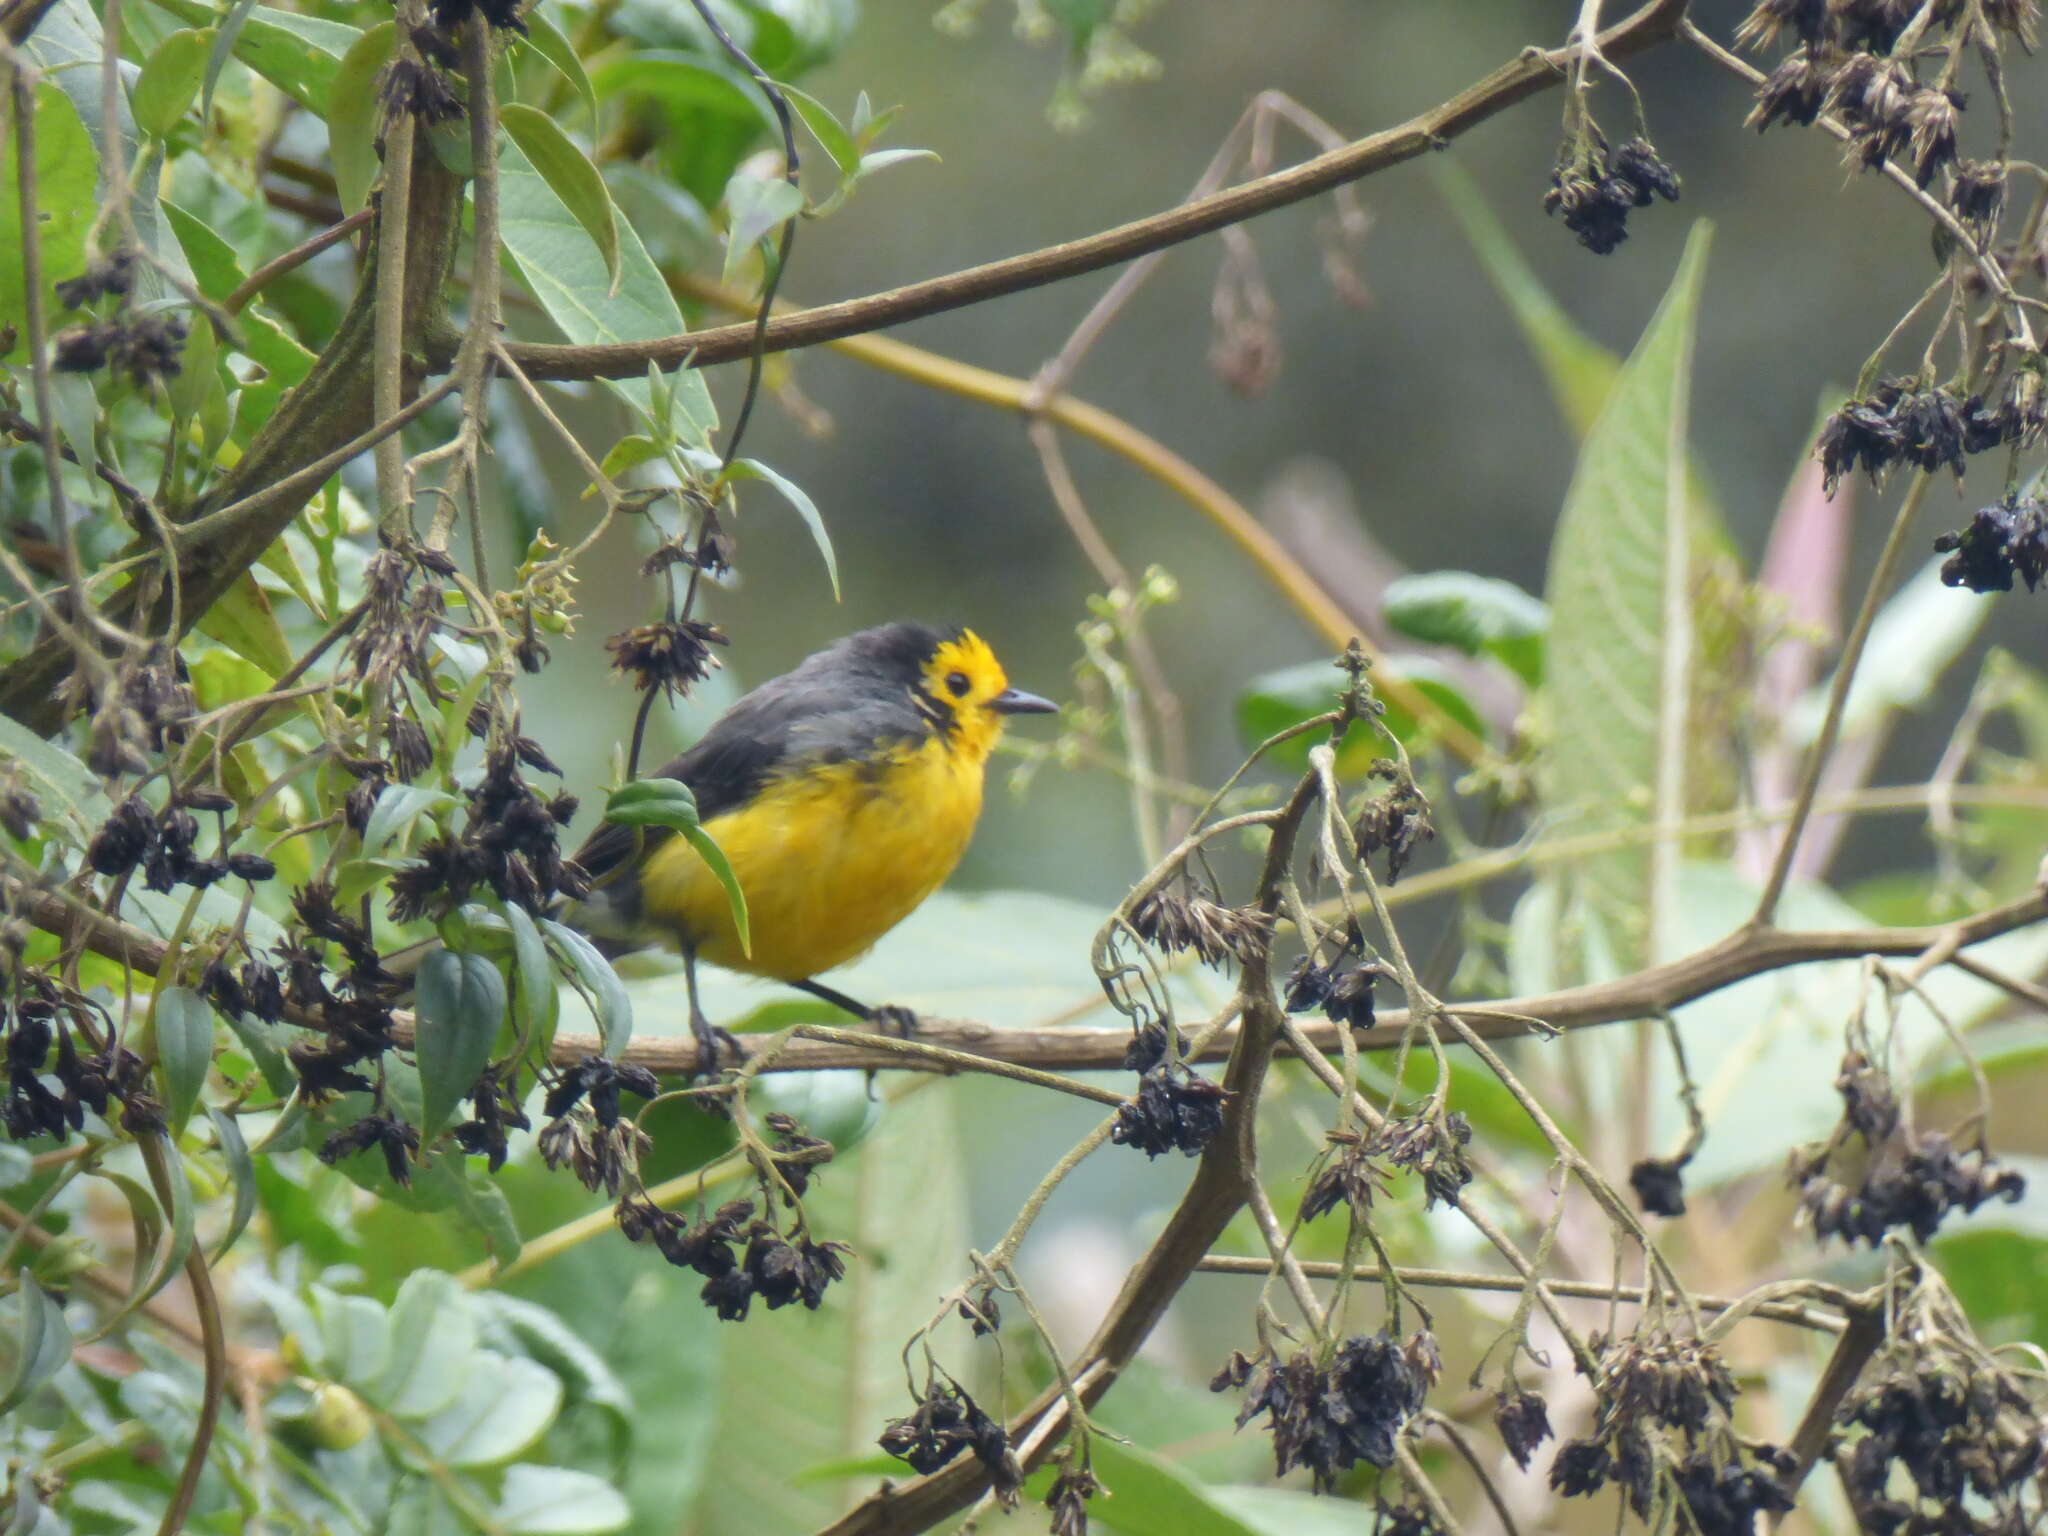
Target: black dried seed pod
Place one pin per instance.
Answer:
(1659, 1183)
(1523, 1419)
(675, 655)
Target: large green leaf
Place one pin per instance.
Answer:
(460, 1006)
(1620, 633)
(555, 259)
(353, 120)
(1147, 1495)
(66, 171)
(569, 173)
(808, 1387)
(300, 55)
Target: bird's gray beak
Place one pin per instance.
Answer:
(1015, 701)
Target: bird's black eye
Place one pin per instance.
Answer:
(957, 682)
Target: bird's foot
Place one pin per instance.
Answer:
(712, 1042)
(890, 1018)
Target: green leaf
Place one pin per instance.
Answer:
(683, 83)
(1146, 1495)
(805, 509)
(614, 1009)
(2000, 1275)
(66, 174)
(1614, 664)
(537, 997)
(244, 622)
(398, 807)
(163, 92)
(589, 1378)
(183, 1022)
(355, 1336)
(1478, 615)
(564, 272)
(1580, 370)
(570, 175)
(556, 1501)
(755, 206)
(504, 1405)
(546, 39)
(652, 803)
(460, 1005)
(223, 48)
(58, 775)
(298, 54)
(831, 134)
(234, 1151)
(42, 1342)
(433, 1335)
(483, 1206)
(353, 118)
(629, 452)
(881, 159)
(713, 855)
(1277, 700)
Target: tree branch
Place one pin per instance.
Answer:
(1534, 70)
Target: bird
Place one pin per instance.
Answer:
(842, 794)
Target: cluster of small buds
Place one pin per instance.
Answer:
(1068, 1498)
(948, 1421)
(1329, 1415)
(1194, 923)
(1597, 190)
(1906, 1178)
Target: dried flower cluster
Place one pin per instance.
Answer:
(38, 1018)
(1176, 1109)
(1195, 924)
(1903, 422)
(1429, 1143)
(740, 1257)
(1942, 1444)
(1329, 1415)
(1597, 190)
(1904, 1177)
(946, 1422)
(2006, 539)
(1396, 820)
(674, 656)
(1650, 1387)
(1343, 991)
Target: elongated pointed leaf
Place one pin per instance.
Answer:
(565, 274)
(461, 1002)
(42, 1343)
(184, 1047)
(234, 1151)
(805, 508)
(614, 1009)
(652, 803)
(570, 175)
(546, 39)
(538, 998)
(243, 621)
(66, 170)
(1621, 623)
(756, 206)
(352, 119)
(297, 54)
(163, 92)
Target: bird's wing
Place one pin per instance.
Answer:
(804, 716)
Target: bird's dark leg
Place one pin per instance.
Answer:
(710, 1038)
(888, 1016)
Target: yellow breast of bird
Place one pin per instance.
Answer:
(830, 858)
